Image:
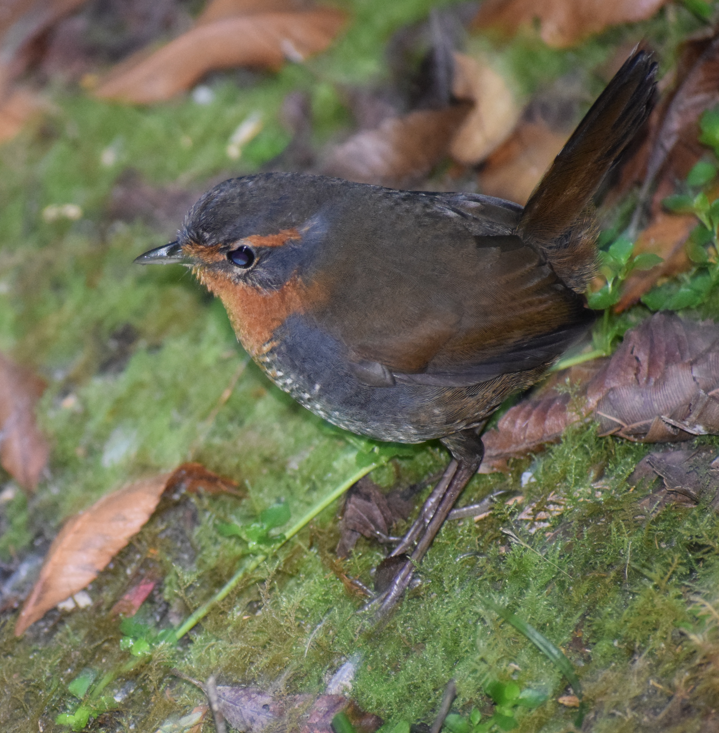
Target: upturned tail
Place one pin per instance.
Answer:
(559, 217)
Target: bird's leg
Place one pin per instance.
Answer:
(428, 509)
(467, 450)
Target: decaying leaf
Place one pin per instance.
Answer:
(516, 167)
(17, 108)
(494, 114)
(252, 709)
(400, 152)
(672, 147)
(666, 237)
(370, 512)
(194, 478)
(563, 22)
(260, 39)
(23, 449)
(688, 478)
(21, 22)
(88, 542)
(661, 385)
(532, 423)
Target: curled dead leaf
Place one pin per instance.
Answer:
(88, 542)
(666, 237)
(563, 23)
(401, 151)
(23, 449)
(493, 116)
(259, 39)
(661, 385)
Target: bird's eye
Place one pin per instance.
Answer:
(243, 257)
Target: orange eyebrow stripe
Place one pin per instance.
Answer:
(273, 240)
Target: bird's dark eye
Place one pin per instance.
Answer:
(243, 257)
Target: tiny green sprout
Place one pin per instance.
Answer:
(341, 724)
(257, 534)
(81, 684)
(709, 126)
(402, 727)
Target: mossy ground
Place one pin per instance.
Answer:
(629, 598)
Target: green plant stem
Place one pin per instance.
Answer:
(204, 609)
(578, 359)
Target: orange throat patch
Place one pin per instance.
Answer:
(256, 314)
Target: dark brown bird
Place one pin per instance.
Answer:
(409, 316)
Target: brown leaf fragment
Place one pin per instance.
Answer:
(194, 478)
(563, 22)
(87, 543)
(219, 9)
(17, 108)
(260, 40)
(688, 478)
(369, 512)
(400, 152)
(542, 419)
(514, 169)
(23, 449)
(252, 709)
(666, 237)
(131, 601)
(662, 383)
(494, 114)
(21, 22)
(672, 147)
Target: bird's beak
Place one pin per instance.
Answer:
(168, 254)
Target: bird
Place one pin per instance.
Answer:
(410, 316)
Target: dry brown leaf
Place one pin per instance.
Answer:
(400, 152)
(563, 22)
(261, 39)
(21, 22)
(666, 237)
(689, 476)
(219, 9)
(542, 419)
(18, 107)
(23, 449)
(494, 114)
(516, 167)
(88, 542)
(661, 385)
(370, 512)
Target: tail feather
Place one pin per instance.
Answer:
(558, 217)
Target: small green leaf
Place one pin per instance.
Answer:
(77, 720)
(603, 299)
(401, 727)
(475, 716)
(341, 724)
(709, 124)
(702, 173)
(140, 648)
(505, 722)
(700, 8)
(646, 261)
(533, 698)
(696, 252)
(621, 250)
(457, 724)
(229, 530)
(503, 693)
(276, 515)
(80, 685)
(679, 204)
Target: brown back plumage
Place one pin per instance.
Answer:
(558, 217)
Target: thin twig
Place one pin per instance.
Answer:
(450, 692)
